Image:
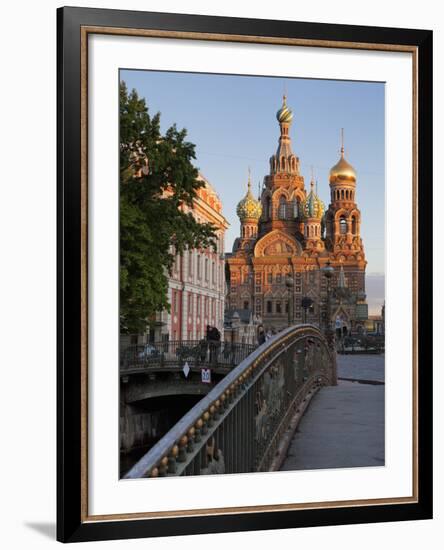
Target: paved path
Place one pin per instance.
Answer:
(343, 426)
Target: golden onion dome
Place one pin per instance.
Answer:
(284, 114)
(312, 206)
(249, 207)
(342, 170)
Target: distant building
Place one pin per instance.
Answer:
(376, 323)
(196, 288)
(286, 238)
(241, 326)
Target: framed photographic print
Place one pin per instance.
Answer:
(244, 284)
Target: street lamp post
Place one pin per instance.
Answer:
(306, 303)
(289, 283)
(328, 271)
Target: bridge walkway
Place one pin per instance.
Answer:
(343, 426)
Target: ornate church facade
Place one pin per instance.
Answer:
(287, 237)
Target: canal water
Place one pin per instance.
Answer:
(170, 409)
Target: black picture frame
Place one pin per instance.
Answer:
(71, 523)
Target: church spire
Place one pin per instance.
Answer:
(284, 161)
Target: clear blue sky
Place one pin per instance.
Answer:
(231, 120)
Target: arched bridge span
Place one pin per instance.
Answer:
(244, 423)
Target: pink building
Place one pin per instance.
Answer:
(197, 284)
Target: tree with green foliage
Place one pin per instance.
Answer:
(157, 179)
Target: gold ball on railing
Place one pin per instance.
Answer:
(206, 416)
(199, 424)
(183, 441)
(191, 431)
(154, 472)
(217, 403)
(222, 397)
(175, 451)
(212, 409)
(164, 461)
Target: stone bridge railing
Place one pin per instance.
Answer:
(243, 423)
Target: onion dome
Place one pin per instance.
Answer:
(284, 114)
(312, 206)
(342, 170)
(249, 208)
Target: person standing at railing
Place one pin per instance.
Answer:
(213, 338)
(261, 335)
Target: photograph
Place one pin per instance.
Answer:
(244, 274)
(223, 250)
(252, 223)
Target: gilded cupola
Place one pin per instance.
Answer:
(312, 206)
(342, 171)
(249, 208)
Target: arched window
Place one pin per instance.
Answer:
(342, 225)
(282, 208)
(268, 208)
(354, 225)
(295, 208)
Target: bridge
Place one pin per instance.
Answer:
(222, 356)
(246, 420)
(160, 382)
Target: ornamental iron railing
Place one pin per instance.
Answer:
(197, 353)
(239, 425)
